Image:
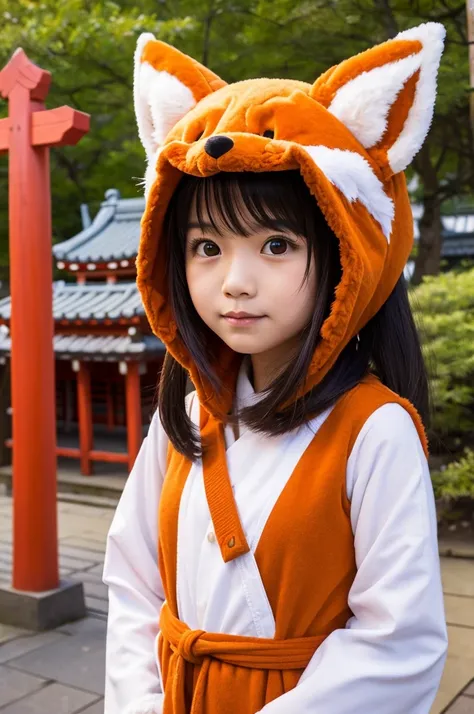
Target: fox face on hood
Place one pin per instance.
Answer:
(351, 135)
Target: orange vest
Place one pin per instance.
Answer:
(307, 571)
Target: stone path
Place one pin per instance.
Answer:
(60, 671)
(63, 671)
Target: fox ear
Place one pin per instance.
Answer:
(167, 85)
(385, 96)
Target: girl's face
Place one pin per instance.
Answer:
(261, 274)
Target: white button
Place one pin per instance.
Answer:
(211, 537)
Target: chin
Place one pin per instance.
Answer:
(245, 346)
(248, 347)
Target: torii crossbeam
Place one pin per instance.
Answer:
(27, 135)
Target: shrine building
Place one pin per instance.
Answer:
(107, 359)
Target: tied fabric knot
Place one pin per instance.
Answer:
(186, 646)
(201, 649)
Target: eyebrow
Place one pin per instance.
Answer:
(202, 226)
(272, 223)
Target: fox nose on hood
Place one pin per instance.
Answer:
(217, 146)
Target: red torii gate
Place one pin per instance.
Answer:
(27, 134)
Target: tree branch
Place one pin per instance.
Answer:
(389, 21)
(207, 33)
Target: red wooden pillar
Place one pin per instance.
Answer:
(26, 134)
(84, 404)
(134, 411)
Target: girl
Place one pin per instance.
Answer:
(275, 549)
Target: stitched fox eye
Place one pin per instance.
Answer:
(199, 136)
(269, 134)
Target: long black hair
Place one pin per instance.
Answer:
(388, 345)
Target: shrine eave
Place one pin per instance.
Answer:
(110, 243)
(94, 303)
(99, 348)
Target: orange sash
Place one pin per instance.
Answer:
(198, 648)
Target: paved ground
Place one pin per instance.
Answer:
(62, 671)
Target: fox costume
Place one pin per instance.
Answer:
(248, 610)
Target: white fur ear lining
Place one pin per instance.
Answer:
(363, 104)
(142, 111)
(354, 178)
(421, 111)
(160, 99)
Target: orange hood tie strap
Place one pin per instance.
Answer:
(220, 496)
(200, 648)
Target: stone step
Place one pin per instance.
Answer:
(103, 490)
(88, 499)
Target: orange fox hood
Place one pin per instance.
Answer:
(351, 134)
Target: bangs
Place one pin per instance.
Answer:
(242, 202)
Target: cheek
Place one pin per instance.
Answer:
(199, 287)
(298, 299)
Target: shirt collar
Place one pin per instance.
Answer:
(245, 393)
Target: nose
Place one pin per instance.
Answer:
(239, 278)
(217, 146)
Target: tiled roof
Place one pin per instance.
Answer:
(458, 236)
(96, 347)
(93, 301)
(113, 234)
(458, 233)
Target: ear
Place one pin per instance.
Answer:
(167, 85)
(385, 96)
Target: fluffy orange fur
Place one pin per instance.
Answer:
(244, 111)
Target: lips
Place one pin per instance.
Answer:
(241, 315)
(242, 319)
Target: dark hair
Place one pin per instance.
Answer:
(389, 345)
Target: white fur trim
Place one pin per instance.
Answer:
(363, 104)
(160, 99)
(354, 178)
(150, 173)
(418, 122)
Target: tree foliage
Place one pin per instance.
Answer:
(444, 306)
(457, 479)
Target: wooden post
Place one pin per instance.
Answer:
(84, 403)
(134, 411)
(26, 134)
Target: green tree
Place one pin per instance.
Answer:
(445, 306)
(88, 47)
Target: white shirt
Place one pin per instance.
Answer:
(390, 656)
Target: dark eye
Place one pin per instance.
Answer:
(278, 246)
(198, 243)
(269, 134)
(199, 136)
(208, 248)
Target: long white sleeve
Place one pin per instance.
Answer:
(135, 590)
(390, 657)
